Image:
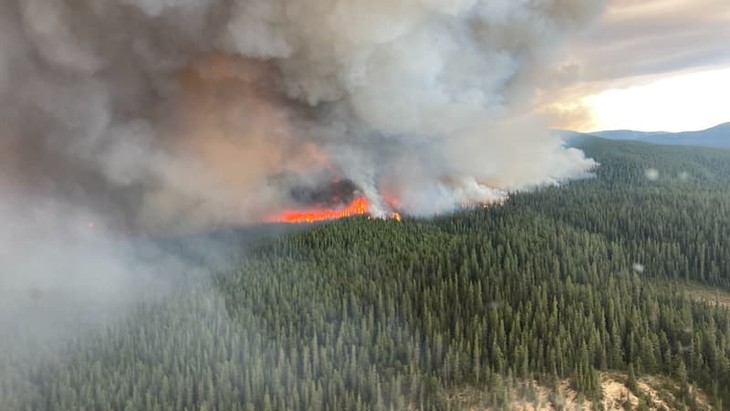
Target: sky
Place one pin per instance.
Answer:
(649, 65)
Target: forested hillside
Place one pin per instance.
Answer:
(562, 284)
(718, 136)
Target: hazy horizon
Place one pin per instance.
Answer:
(650, 65)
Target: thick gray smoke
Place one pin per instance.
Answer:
(126, 117)
(183, 114)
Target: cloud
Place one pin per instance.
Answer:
(635, 43)
(638, 38)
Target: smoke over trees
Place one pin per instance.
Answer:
(178, 113)
(151, 116)
(470, 311)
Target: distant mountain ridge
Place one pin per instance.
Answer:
(717, 137)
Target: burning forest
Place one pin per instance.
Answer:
(178, 115)
(157, 156)
(358, 206)
(338, 199)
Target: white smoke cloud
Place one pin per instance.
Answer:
(164, 114)
(431, 75)
(62, 272)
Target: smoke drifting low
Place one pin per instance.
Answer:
(169, 115)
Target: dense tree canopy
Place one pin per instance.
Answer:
(363, 314)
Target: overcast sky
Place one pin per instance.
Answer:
(650, 65)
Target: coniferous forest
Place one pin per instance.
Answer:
(465, 311)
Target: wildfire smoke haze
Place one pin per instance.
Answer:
(181, 115)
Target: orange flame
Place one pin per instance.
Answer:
(358, 206)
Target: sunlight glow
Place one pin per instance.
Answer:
(685, 102)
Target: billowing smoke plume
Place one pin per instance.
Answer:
(182, 114)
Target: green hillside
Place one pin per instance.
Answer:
(557, 285)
